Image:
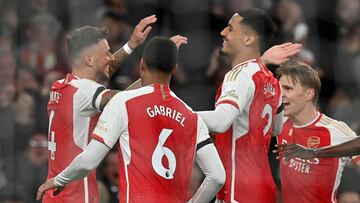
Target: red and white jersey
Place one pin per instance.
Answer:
(314, 180)
(158, 136)
(243, 149)
(73, 113)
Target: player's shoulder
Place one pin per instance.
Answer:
(127, 95)
(57, 84)
(334, 125)
(241, 71)
(85, 83)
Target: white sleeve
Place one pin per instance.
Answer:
(221, 118)
(340, 132)
(279, 117)
(88, 96)
(202, 131)
(83, 164)
(278, 123)
(209, 162)
(112, 122)
(237, 89)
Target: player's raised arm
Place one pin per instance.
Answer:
(279, 54)
(139, 35)
(178, 40)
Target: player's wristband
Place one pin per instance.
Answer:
(127, 49)
(59, 181)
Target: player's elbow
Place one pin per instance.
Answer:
(221, 128)
(219, 178)
(88, 168)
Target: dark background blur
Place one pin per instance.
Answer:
(33, 55)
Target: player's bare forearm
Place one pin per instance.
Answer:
(350, 148)
(106, 98)
(119, 57)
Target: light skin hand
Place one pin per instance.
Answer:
(279, 54)
(48, 185)
(141, 31)
(179, 40)
(289, 151)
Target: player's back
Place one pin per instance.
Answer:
(71, 119)
(244, 147)
(158, 152)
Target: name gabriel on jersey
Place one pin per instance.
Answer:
(166, 111)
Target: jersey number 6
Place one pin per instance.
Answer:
(161, 151)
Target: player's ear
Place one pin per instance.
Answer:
(88, 59)
(174, 70)
(310, 94)
(142, 65)
(249, 39)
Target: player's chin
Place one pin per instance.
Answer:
(222, 52)
(287, 112)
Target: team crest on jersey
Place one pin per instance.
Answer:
(313, 142)
(269, 88)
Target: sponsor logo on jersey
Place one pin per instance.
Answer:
(313, 142)
(230, 93)
(298, 164)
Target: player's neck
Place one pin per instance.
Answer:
(306, 116)
(82, 73)
(156, 78)
(244, 56)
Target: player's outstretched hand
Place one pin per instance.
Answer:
(279, 54)
(293, 150)
(48, 185)
(141, 31)
(179, 40)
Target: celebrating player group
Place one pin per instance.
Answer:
(160, 138)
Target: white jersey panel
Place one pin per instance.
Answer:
(241, 123)
(83, 109)
(202, 131)
(85, 96)
(339, 131)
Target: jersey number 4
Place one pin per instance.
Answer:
(161, 151)
(51, 139)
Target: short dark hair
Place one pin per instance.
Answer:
(261, 23)
(84, 37)
(160, 54)
(303, 73)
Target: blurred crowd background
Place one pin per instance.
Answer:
(33, 55)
